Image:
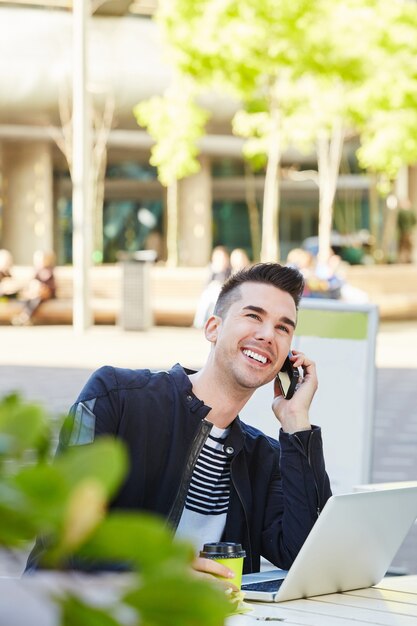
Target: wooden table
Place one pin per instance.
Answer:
(391, 603)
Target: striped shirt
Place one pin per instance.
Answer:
(204, 514)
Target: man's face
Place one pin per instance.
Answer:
(254, 337)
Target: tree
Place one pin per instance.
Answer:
(102, 120)
(302, 73)
(315, 122)
(388, 103)
(253, 49)
(379, 104)
(278, 59)
(176, 123)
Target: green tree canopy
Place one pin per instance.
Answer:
(176, 123)
(291, 64)
(387, 104)
(304, 73)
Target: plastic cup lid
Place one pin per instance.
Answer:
(223, 549)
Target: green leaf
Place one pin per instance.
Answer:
(166, 600)
(75, 612)
(46, 491)
(51, 499)
(105, 461)
(39, 500)
(16, 525)
(142, 541)
(22, 426)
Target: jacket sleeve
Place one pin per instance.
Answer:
(299, 489)
(94, 413)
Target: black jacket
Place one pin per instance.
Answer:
(278, 488)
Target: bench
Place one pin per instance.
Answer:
(174, 295)
(392, 287)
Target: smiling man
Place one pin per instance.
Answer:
(192, 459)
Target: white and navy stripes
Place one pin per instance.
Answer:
(204, 516)
(209, 489)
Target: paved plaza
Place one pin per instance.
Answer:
(50, 364)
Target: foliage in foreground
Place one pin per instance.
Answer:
(65, 502)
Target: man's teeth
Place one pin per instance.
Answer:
(255, 355)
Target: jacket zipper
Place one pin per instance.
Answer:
(198, 442)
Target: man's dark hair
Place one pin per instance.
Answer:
(287, 279)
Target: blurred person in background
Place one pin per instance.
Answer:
(324, 280)
(41, 288)
(220, 270)
(239, 260)
(302, 260)
(8, 286)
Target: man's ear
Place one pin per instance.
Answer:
(211, 328)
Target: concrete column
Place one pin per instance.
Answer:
(195, 217)
(27, 199)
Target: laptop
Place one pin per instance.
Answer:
(351, 546)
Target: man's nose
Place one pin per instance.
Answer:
(266, 332)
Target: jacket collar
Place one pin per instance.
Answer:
(185, 389)
(236, 437)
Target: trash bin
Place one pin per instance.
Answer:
(136, 309)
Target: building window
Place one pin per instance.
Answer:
(132, 212)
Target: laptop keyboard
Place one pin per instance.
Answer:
(266, 585)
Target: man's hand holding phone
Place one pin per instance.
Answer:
(291, 403)
(287, 378)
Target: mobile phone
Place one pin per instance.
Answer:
(287, 378)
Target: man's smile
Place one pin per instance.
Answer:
(256, 356)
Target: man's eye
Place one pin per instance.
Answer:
(254, 315)
(283, 328)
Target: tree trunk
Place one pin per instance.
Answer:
(329, 154)
(270, 217)
(102, 123)
(389, 231)
(172, 224)
(374, 216)
(98, 185)
(253, 212)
